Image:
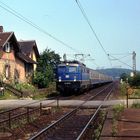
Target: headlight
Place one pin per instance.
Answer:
(59, 79)
(74, 78)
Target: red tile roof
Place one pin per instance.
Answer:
(25, 58)
(4, 37)
(28, 46)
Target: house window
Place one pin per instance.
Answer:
(16, 76)
(7, 71)
(28, 69)
(7, 47)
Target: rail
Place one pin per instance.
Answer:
(44, 131)
(92, 118)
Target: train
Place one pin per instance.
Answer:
(75, 77)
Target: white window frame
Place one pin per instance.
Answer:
(7, 47)
(7, 71)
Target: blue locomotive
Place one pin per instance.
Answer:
(73, 76)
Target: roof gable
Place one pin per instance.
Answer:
(9, 36)
(4, 37)
(28, 46)
(25, 58)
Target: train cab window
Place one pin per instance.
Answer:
(61, 69)
(72, 69)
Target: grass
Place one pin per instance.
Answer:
(45, 93)
(136, 94)
(7, 95)
(117, 109)
(135, 91)
(35, 93)
(123, 89)
(136, 105)
(98, 128)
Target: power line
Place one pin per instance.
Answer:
(21, 17)
(26, 20)
(93, 31)
(120, 61)
(120, 57)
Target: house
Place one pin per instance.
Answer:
(29, 48)
(16, 65)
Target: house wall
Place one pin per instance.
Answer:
(21, 69)
(33, 56)
(14, 63)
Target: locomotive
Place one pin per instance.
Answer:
(74, 77)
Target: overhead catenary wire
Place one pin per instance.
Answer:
(91, 27)
(118, 58)
(121, 61)
(29, 22)
(23, 18)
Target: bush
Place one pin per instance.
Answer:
(135, 81)
(136, 105)
(25, 87)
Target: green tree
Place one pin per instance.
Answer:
(124, 77)
(46, 68)
(135, 81)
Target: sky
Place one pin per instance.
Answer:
(116, 23)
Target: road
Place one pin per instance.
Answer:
(66, 103)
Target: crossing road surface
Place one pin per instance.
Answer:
(64, 103)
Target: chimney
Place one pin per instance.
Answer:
(1, 29)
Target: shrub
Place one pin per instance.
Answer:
(25, 87)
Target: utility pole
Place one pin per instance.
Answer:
(134, 62)
(64, 57)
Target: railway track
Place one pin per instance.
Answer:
(74, 124)
(84, 96)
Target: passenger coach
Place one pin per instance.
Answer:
(73, 76)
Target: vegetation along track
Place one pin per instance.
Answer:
(74, 124)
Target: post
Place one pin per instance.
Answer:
(127, 96)
(9, 119)
(28, 115)
(127, 99)
(40, 109)
(134, 62)
(58, 101)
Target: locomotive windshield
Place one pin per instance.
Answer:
(61, 69)
(72, 69)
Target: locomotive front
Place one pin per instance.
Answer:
(68, 78)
